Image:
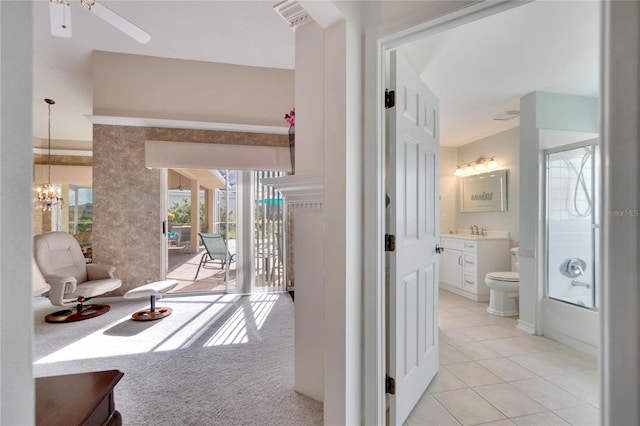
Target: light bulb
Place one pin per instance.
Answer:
(493, 163)
(469, 169)
(480, 167)
(459, 171)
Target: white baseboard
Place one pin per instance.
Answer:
(526, 327)
(468, 295)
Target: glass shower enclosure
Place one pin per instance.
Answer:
(572, 184)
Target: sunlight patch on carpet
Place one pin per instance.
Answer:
(191, 317)
(235, 330)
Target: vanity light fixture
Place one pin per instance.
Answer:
(478, 166)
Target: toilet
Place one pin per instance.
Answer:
(504, 289)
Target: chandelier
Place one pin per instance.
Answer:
(48, 195)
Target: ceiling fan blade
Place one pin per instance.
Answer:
(120, 23)
(60, 17)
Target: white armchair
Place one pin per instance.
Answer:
(72, 281)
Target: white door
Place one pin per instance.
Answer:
(413, 219)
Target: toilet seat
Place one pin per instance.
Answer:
(509, 277)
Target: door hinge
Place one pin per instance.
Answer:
(389, 385)
(389, 98)
(389, 242)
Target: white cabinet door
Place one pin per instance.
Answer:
(451, 267)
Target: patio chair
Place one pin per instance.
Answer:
(72, 280)
(215, 248)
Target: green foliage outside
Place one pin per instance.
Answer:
(85, 223)
(181, 212)
(223, 224)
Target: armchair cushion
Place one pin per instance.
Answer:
(60, 260)
(60, 254)
(97, 271)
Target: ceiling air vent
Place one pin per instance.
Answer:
(507, 115)
(292, 12)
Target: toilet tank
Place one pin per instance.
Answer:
(515, 260)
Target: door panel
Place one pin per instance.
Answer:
(413, 267)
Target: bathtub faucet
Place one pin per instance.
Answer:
(577, 283)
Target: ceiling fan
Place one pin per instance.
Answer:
(60, 16)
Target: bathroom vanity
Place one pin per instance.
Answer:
(466, 259)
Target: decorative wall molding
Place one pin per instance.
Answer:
(305, 206)
(292, 12)
(305, 192)
(184, 124)
(64, 152)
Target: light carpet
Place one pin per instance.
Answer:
(218, 359)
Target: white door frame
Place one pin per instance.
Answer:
(378, 42)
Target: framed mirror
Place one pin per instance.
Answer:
(484, 192)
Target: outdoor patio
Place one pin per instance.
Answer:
(182, 266)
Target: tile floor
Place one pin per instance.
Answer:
(494, 374)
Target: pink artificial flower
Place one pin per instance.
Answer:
(291, 117)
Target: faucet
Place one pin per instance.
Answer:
(477, 232)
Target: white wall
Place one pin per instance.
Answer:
(309, 92)
(16, 166)
(448, 190)
(505, 146)
(145, 86)
(343, 214)
(309, 220)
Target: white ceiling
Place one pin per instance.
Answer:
(477, 70)
(236, 32)
(481, 69)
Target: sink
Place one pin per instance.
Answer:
(490, 235)
(465, 236)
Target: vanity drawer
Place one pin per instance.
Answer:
(470, 246)
(451, 243)
(469, 283)
(469, 262)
